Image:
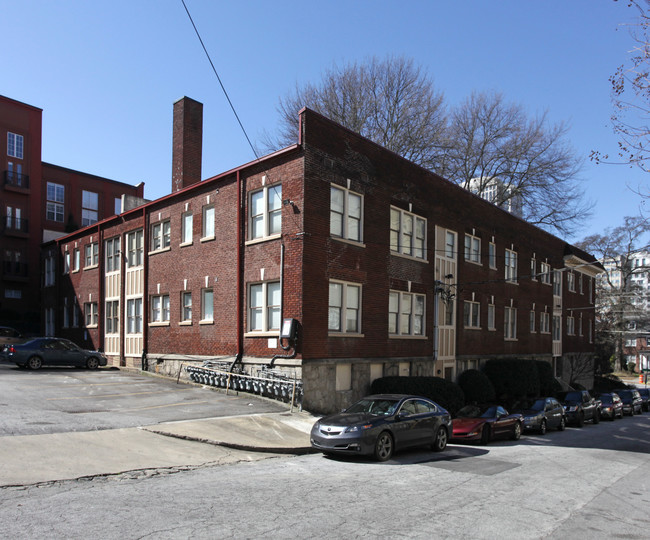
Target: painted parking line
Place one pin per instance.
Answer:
(95, 396)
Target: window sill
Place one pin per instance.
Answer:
(510, 339)
(511, 282)
(185, 323)
(263, 239)
(206, 321)
(472, 328)
(91, 326)
(161, 250)
(91, 267)
(409, 257)
(473, 262)
(185, 244)
(164, 323)
(75, 271)
(207, 239)
(273, 333)
(400, 336)
(345, 335)
(346, 241)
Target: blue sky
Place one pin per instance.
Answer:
(106, 73)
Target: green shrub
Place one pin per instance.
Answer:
(513, 379)
(476, 386)
(447, 394)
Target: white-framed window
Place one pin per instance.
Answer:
(472, 249)
(160, 235)
(117, 206)
(15, 145)
(207, 305)
(66, 262)
(580, 326)
(55, 202)
(187, 226)
(76, 260)
(580, 284)
(346, 214)
(112, 249)
(135, 248)
(450, 245)
(532, 321)
(545, 273)
(510, 323)
(533, 269)
(344, 307)
(448, 315)
(264, 306)
(208, 222)
(91, 254)
(545, 323)
(471, 314)
(186, 306)
(511, 266)
(491, 322)
(571, 282)
(90, 312)
(160, 308)
(112, 316)
(557, 328)
(134, 316)
(406, 313)
(571, 326)
(408, 233)
(492, 255)
(89, 208)
(557, 283)
(265, 218)
(49, 271)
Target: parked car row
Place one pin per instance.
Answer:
(380, 425)
(49, 351)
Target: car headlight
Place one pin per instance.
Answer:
(572, 408)
(354, 429)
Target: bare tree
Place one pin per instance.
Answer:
(530, 160)
(580, 369)
(631, 96)
(622, 304)
(395, 104)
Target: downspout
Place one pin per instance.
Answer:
(101, 289)
(293, 354)
(145, 286)
(240, 321)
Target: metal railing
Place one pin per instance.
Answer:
(16, 179)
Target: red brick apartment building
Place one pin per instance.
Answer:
(386, 268)
(39, 202)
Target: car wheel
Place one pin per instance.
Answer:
(562, 425)
(485, 434)
(516, 432)
(596, 418)
(581, 420)
(92, 363)
(441, 440)
(34, 362)
(384, 446)
(542, 428)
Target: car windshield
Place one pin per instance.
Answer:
(625, 394)
(538, 405)
(473, 411)
(572, 396)
(606, 399)
(378, 407)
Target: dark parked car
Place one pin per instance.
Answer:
(8, 336)
(632, 402)
(611, 406)
(645, 398)
(484, 423)
(544, 413)
(48, 351)
(580, 406)
(381, 424)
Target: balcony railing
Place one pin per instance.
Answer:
(14, 270)
(15, 225)
(16, 179)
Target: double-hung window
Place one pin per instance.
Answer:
(472, 314)
(135, 248)
(557, 328)
(91, 254)
(346, 214)
(450, 245)
(112, 247)
(344, 307)
(545, 273)
(90, 311)
(408, 233)
(265, 218)
(532, 321)
(510, 323)
(76, 260)
(491, 322)
(406, 314)
(492, 255)
(533, 269)
(472, 249)
(545, 323)
(186, 307)
(264, 306)
(557, 283)
(160, 308)
(66, 262)
(55, 202)
(89, 208)
(208, 222)
(112, 317)
(134, 316)
(15, 145)
(511, 266)
(187, 223)
(571, 281)
(207, 305)
(160, 235)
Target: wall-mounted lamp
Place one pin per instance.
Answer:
(288, 201)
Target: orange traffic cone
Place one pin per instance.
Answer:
(641, 378)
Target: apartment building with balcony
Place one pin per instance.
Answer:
(379, 266)
(38, 202)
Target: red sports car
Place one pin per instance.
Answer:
(485, 423)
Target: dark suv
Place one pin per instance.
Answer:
(580, 406)
(632, 402)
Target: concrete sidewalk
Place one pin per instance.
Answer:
(30, 459)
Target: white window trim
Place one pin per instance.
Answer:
(470, 254)
(161, 320)
(454, 250)
(491, 325)
(343, 332)
(137, 252)
(184, 321)
(511, 269)
(204, 236)
(532, 322)
(345, 233)
(15, 137)
(114, 254)
(265, 330)
(91, 309)
(472, 304)
(492, 255)
(94, 255)
(508, 320)
(189, 242)
(267, 192)
(400, 248)
(400, 302)
(205, 320)
(545, 323)
(115, 318)
(158, 235)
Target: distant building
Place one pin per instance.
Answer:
(39, 202)
(332, 260)
(498, 193)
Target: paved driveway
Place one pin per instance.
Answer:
(57, 400)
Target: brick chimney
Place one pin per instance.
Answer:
(187, 143)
